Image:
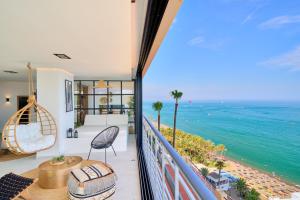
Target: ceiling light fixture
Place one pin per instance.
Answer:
(61, 56)
(10, 71)
(101, 84)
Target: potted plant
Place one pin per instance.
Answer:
(59, 160)
(131, 116)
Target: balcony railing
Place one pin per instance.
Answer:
(170, 176)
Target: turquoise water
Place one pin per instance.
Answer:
(265, 135)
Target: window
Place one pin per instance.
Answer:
(117, 98)
(127, 87)
(114, 87)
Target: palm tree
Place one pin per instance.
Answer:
(220, 165)
(176, 95)
(241, 186)
(252, 195)
(204, 171)
(157, 106)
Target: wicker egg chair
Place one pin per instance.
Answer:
(30, 129)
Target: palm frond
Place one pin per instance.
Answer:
(176, 94)
(157, 106)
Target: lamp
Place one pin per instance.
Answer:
(101, 84)
(7, 99)
(70, 133)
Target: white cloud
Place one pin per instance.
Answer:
(248, 17)
(202, 42)
(280, 21)
(196, 41)
(289, 60)
(251, 14)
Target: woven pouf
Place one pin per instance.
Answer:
(94, 182)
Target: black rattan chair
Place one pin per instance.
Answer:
(105, 140)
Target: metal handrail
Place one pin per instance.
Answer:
(193, 179)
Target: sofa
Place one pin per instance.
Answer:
(93, 125)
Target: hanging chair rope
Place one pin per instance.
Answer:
(32, 128)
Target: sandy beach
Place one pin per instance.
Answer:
(266, 184)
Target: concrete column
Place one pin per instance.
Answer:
(51, 95)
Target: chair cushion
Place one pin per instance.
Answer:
(29, 137)
(106, 120)
(36, 143)
(91, 181)
(117, 120)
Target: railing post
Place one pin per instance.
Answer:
(155, 163)
(176, 182)
(163, 166)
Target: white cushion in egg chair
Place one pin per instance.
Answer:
(29, 137)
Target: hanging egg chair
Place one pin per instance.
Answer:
(30, 129)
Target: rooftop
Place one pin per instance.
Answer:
(215, 176)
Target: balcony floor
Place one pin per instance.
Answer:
(125, 165)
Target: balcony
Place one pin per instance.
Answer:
(170, 176)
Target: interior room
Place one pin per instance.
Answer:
(76, 90)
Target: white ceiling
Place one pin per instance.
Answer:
(96, 34)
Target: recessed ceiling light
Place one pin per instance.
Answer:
(10, 72)
(62, 56)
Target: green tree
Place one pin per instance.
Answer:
(195, 147)
(204, 171)
(157, 106)
(131, 104)
(219, 165)
(176, 95)
(241, 186)
(252, 195)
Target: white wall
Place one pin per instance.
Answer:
(10, 89)
(51, 95)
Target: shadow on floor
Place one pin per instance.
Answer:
(6, 155)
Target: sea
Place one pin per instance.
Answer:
(263, 135)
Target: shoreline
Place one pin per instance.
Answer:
(263, 181)
(262, 171)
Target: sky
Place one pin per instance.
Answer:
(229, 50)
